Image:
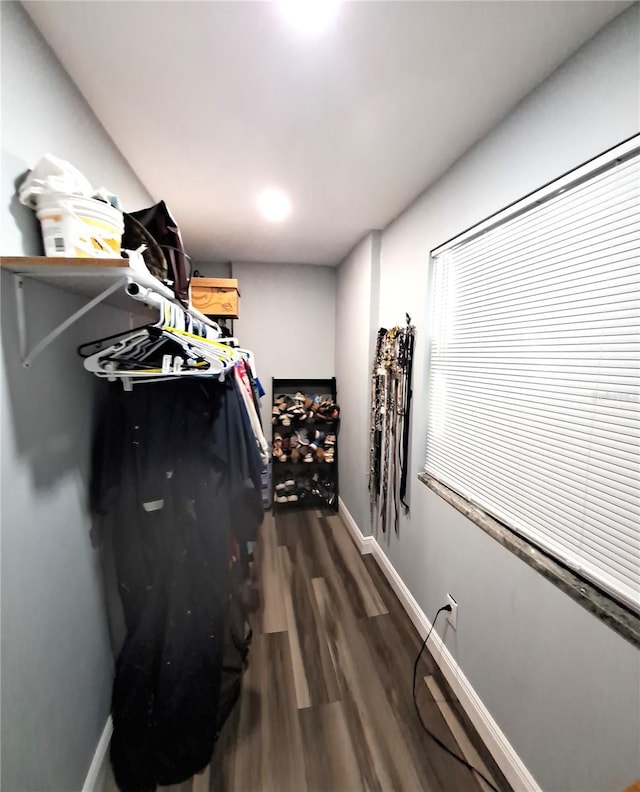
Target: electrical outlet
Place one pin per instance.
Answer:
(452, 615)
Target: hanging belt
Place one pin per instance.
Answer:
(388, 362)
(391, 393)
(409, 343)
(385, 465)
(394, 473)
(375, 429)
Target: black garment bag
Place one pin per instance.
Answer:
(169, 470)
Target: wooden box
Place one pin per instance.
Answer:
(216, 296)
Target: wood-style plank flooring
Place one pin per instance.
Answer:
(326, 704)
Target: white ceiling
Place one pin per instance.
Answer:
(211, 102)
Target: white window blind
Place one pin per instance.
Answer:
(534, 395)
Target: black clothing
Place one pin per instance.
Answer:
(177, 475)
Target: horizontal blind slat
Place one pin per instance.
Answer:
(543, 526)
(534, 516)
(582, 270)
(550, 217)
(592, 244)
(624, 508)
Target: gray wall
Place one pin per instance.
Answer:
(56, 655)
(287, 318)
(356, 315)
(563, 687)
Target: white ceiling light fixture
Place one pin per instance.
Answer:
(274, 205)
(309, 17)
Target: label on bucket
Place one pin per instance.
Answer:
(53, 236)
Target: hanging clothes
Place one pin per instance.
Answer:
(391, 393)
(246, 390)
(176, 480)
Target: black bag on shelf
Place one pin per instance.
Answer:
(160, 225)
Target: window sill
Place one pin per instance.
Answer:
(600, 604)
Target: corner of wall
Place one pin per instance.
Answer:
(374, 305)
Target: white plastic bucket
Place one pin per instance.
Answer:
(73, 226)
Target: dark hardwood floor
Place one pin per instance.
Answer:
(326, 704)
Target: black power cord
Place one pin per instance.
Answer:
(424, 726)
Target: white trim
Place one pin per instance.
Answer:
(94, 781)
(493, 737)
(582, 172)
(363, 543)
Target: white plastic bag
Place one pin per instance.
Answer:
(52, 174)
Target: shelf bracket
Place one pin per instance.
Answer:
(28, 357)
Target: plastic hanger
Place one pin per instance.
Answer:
(91, 347)
(177, 345)
(126, 355)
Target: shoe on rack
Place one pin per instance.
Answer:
(281, 403)
(320, 455)
(328, 411)
(314, 483)
(330, 439)
(303, 485)
(297, 414)
(292, 492)
(281, 493)
(307, 454)
(276, 448)
(327, 490)
(303, 437)
(318, 440)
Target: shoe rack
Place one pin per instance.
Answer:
(305, 422)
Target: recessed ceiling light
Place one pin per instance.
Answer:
(309, 17)
(274, 205)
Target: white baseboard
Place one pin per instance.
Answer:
(493, 737)
(362, 542)
(94, 781)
